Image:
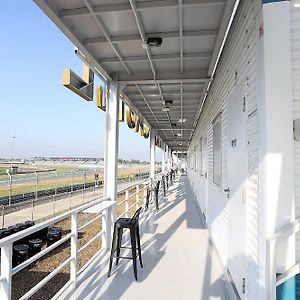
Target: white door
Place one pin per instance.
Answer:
(237, 174)
(204, 176)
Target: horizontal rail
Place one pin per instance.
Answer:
(131, 206)
(19, 235)
(291, 272)
(40, 254)
(46, 279)
(89, 222)
(132, 185)
(90, 241)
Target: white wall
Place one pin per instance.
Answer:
(295, 44)
(238, 65)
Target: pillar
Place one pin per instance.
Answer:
(152, 154)
(276, 169)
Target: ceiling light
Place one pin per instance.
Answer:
(181, 120)
(154, 41)
(165, 109)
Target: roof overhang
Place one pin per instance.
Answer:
(112, 37)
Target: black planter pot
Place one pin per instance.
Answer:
(20, 254)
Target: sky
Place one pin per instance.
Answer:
(46, 118)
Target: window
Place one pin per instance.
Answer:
(217, 151)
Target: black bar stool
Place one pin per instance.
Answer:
(133, 225)
(153, 191)
(163, 182)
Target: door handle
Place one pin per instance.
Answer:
(227, 190)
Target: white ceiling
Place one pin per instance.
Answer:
(111, 33)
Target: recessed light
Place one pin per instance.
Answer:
(181, 120)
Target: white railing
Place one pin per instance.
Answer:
(283, 233)
(106, 209)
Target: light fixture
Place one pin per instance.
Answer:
(165, 109)
(181, 120)
(154, 41)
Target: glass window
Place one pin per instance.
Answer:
(217, 151)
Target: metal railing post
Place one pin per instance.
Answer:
(137, 196)
(126, 203)
(74, 249)
(10, 186)
(36, 194)
(55, 192)
(6, 271)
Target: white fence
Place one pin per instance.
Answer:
(133, 195)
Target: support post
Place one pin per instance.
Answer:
(276, 168)
(6, 268)
(111, 157)
(74, 249)
(152, 154)
(163, 169)
(137, 196)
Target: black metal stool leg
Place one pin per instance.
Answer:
(112, 250)
(139, 245)
(119, 243)
(133, 249)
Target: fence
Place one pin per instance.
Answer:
(101, 210)
(52, 193)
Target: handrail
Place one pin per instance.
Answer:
(106, 210)
(132, 186)
(282, 233)
(21, 234)
(291, 272)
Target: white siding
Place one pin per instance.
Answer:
(237, 66)
(295, 44)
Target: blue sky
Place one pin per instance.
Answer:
(46, 118)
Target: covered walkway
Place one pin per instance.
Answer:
(179, 259)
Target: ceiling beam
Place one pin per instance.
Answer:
(103, 28)
(140, 6)
(165, 127)
(162, 57)
(168, 93)
(180, 34)
(164, 35)
(194, 75)
(177, 140)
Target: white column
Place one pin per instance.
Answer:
(111, 156)
(152, 154)
(111, 141)
(169, 159)
(163, 159)
(276, 170)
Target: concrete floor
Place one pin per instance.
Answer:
(179, 259)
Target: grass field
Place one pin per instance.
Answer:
(29, 183)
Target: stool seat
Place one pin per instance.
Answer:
(133, 225)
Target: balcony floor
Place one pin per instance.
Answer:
(179, 259)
